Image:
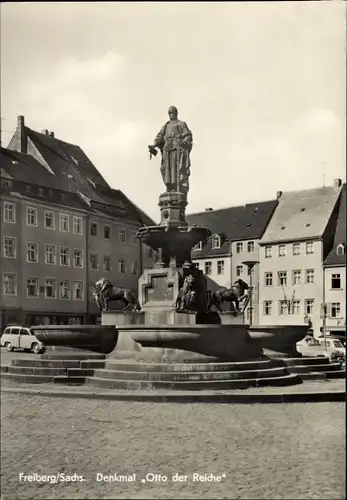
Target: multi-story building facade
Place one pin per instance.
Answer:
(292, 251)
(334, 285)
(62, 228)
(236, 232)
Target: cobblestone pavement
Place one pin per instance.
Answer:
(265, 451)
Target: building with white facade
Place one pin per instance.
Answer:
(293, 248)
(334, 284)
(236, 232)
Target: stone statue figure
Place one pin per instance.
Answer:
(105, 292)
(186, 295)
(237, 294)
(175, 141)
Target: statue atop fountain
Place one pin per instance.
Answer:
(175, 142)
(164, 286)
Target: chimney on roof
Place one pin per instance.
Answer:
(21, 134)
(44, 131)
(279, 194)
(337, 183)
(51, 134)
(209, 209)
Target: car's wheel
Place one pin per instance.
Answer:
(9, 346)
(36, 348)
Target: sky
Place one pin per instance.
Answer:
(261, 86)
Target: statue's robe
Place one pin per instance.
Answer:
(175, 142)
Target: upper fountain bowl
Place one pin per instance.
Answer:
(172, 236)
(173, 241)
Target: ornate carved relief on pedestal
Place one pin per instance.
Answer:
(172, 207)
(159, 288)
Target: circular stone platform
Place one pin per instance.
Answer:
(89, 375)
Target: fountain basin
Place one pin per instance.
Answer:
(225, 342)
(95, 338)
(220, 341)
(279, 341)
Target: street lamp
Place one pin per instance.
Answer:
(250, 265)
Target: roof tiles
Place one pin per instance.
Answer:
(77, 173)
(245, 222)
(334, 258)
(301, 215)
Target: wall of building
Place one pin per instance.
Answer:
(243, 251)
(335, 320)
(300, 291)
(42, 236)
(38, 234)
(215, 280)
(116, 249)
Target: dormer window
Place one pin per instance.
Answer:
(340, 250)
(216, 241)
(198, 246)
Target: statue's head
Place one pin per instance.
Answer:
(173, 113)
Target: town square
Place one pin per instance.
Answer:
(173, 250)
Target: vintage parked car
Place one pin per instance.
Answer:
(333, 336)
(311, 346)
(19, 337)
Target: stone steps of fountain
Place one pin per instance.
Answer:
(180, 376)
(188, 367)
(73, 355)
(329, 367)
(335, 374)
(27, 379)
(305, 360)
(122, 374)
(31, 370)
(46, 363)
(285, 380)
(313, 368)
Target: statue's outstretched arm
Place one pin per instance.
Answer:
(159, 140)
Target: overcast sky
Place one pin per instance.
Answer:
(261, 86)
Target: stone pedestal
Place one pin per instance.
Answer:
(172, 208)
(159, 288)
(229, 318)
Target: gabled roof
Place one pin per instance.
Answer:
(76, 173)
(245, 222)
(301, 215)
(333, 258)
(69, 163)
(26, 168)
(23, 171)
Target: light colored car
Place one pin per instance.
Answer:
(19, 337)
(310, 346)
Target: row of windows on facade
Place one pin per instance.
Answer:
(282, 278)
(208, 268)
(294, 307)
(64, 223)
(216, 243)
(49, 289)
(32, 256)
(268, 250)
